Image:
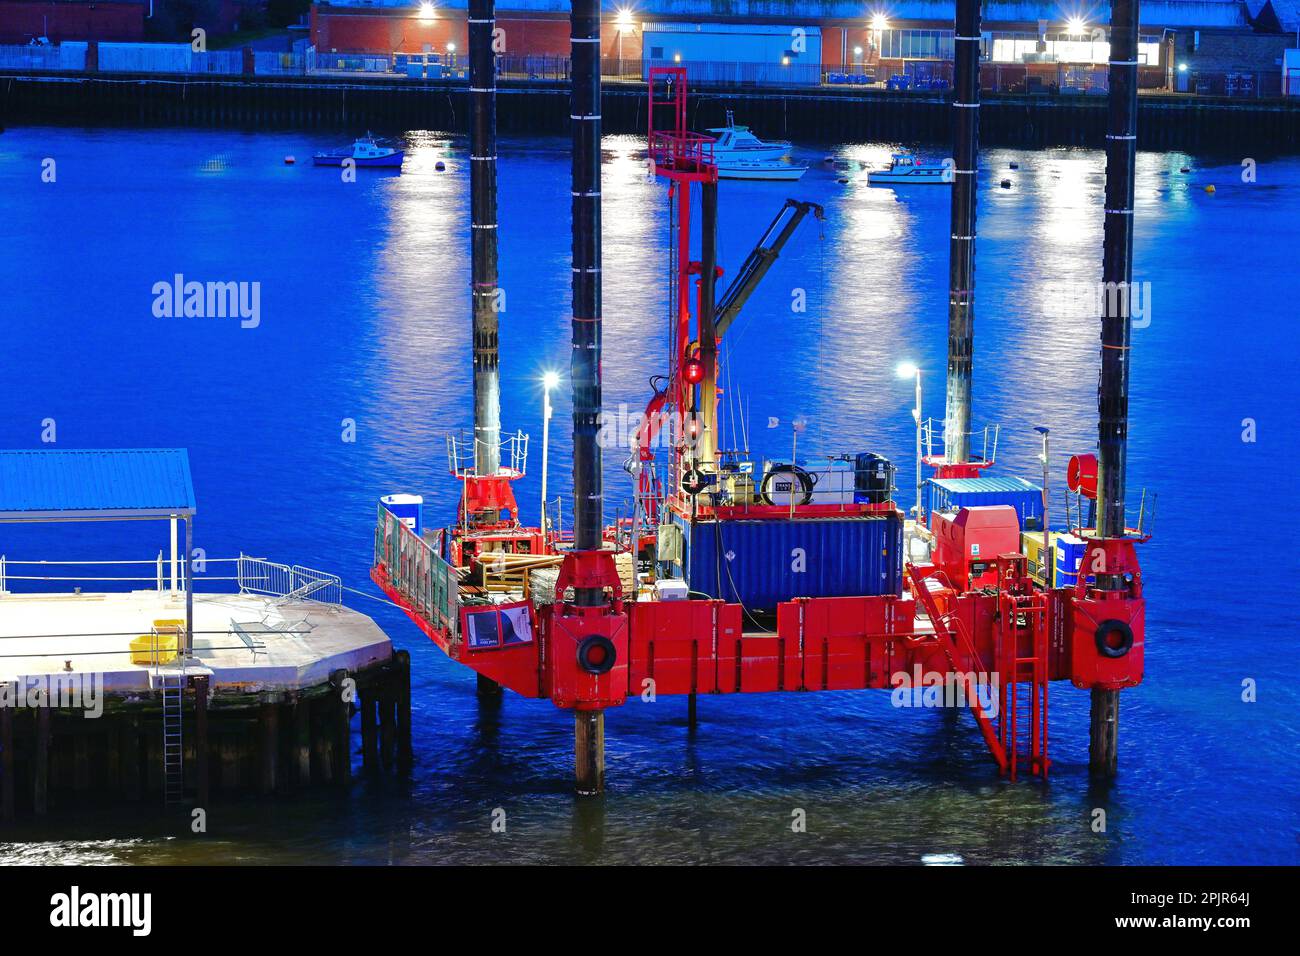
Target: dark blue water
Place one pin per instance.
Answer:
(364, 305)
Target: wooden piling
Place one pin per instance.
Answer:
(589, 751)
(402, 676)
(340, 714)
(692, 717)
(387, 732)
(1103, 737)
(269, 727)
(487, 689)
(41, 762)
(202, 755)
(302, 741)
(369, 742)
(6, 765)
(130, 747)
(80, 762)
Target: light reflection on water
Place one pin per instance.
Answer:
(366, 298)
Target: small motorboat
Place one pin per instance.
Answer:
(734, 142)
(904, 169)
(366, 151)
(773, 169)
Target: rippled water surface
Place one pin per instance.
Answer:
(364, 316)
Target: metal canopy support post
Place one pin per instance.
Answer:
(483, 236)
(189, 587)
(175, 545)
(961, 249)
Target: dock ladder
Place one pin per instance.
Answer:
(171, 680)
(173, 696)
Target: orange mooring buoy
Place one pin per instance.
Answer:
(289, 160)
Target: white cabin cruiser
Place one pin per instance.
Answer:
(904, 169)
(739, 143)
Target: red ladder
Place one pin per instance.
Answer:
(1020, 656)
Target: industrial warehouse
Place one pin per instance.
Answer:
(1025, 46)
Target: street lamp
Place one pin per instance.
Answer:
(549, 381)
(624, 25)
(910, 370)
(1047, 534)
(879, 24)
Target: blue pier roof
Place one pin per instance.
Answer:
(95, 483)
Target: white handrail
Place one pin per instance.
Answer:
(252, 575)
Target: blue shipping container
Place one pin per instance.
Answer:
(761, 563)
(1069, 558)
(950, 494)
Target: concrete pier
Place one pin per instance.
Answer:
(267, 699)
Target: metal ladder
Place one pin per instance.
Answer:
(173, 698)
(1021, 657)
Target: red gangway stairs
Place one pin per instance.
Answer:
(1020, 655)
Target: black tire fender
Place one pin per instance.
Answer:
(1103, 638)
(605, 659)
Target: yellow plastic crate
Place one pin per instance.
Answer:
(155, 648)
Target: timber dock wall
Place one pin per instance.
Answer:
(1165, 121)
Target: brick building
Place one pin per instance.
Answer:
(1204, 34)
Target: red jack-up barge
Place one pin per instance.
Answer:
(723, 582)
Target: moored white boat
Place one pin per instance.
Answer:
(366, 151)
(739, 143)
(772, 169)
(904, 170)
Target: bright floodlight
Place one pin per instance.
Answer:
(451, 48)
(857, 51)
(551, 379)
(878, 22)
(624, 20)
(1076, 27)
(1182, 67)
(426, 11)
(907, 370)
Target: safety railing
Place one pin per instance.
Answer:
(279, 63)
(932, 440)
(167, 58)
(142, 574)
(685, 151)
(65, 56)
(463, 454)
(246, 574)
(1139, 518)
(259, 576)
(419, 575)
